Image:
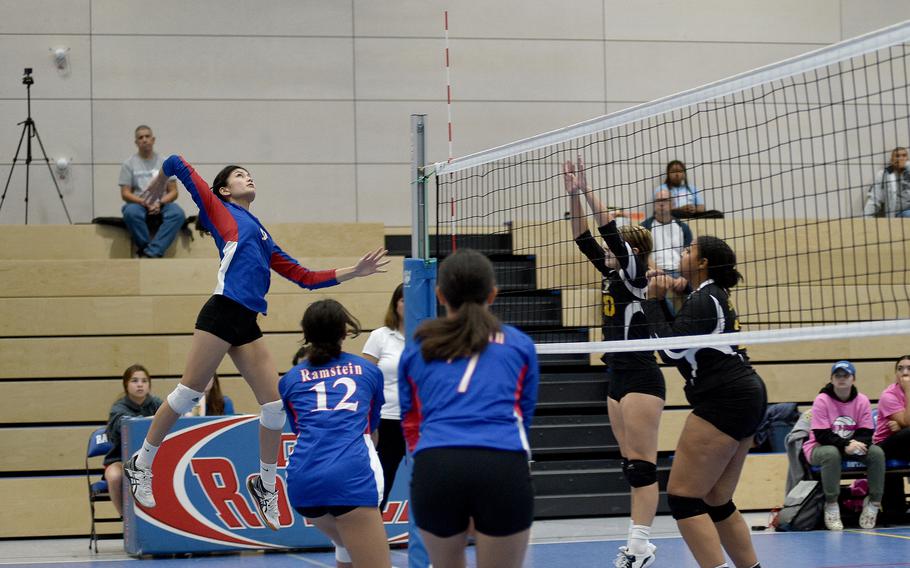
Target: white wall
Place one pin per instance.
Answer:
(314, 96)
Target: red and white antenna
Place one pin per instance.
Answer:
(449, 111)
(448, 83)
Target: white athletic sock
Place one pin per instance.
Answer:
(724, 565)
(638, 539)
(832, 507)
(267, 473)
(146, 455)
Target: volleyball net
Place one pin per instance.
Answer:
(787, 163)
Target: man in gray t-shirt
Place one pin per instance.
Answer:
(135, 175)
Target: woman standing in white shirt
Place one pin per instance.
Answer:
(384, 348)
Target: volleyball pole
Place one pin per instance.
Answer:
(419, 288)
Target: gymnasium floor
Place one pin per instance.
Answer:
(555, 544)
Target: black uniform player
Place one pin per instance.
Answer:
(728, 402)
(636, 386)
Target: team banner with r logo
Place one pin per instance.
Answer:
(202, 504)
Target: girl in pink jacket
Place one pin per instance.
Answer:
(842, 429)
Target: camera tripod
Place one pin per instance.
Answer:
(29, 131)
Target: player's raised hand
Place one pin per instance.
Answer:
(658, 286)
(371, 263)
(156, 189)
(581, 181)
(568, 176)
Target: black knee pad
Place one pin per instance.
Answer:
(685, 507)
(640, 473)
(721, 512)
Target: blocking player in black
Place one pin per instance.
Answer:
(636, 394)
(728, 402)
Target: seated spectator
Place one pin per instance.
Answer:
(889, 195)
(137, 401)
(893, 430)
(892, 434)
(135, 175)
(842, 428)
(213, 403)
(687, 201)
(670, 235)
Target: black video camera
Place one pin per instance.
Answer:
(27, 77)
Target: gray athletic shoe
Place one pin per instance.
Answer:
(266, 501)
(140, 483)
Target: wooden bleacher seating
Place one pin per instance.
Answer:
(76, 310)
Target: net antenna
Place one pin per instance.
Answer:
(786, 156)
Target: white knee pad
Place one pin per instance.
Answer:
(341, 554)
(272, 415)
(182, 399)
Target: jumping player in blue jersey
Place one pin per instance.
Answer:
(467, 389)
(728, 401)
(334, 476)
(636, 392)
(227, 322)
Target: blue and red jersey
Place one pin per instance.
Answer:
(483, 401)
(247, 250)
(333, 408)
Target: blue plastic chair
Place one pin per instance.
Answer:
(98, 445)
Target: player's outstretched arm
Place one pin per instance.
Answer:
(371, 263)
(602, 214)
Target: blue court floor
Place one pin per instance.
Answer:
(555, 544)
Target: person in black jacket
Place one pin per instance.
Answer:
(137, 401)
(728, 402)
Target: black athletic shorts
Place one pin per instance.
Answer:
(450, 486)
(228, 320)
(736, 408)
(316, 512)
(644, 381)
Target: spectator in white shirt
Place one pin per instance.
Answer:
(384, 348)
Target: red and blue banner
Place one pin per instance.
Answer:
(202, 504)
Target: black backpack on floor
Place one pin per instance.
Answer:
(803, 508)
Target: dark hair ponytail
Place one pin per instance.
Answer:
(721, 261)
(325, 325)
(465, 280)
(214, 399)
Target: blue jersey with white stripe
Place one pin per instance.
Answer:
(247, 250)
(333, 408)
(483, 401)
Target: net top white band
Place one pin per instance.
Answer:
(746, 338)
(896, 34)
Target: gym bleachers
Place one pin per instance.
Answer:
(76, 310)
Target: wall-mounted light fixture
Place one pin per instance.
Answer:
(63, 167)
(61, 57)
